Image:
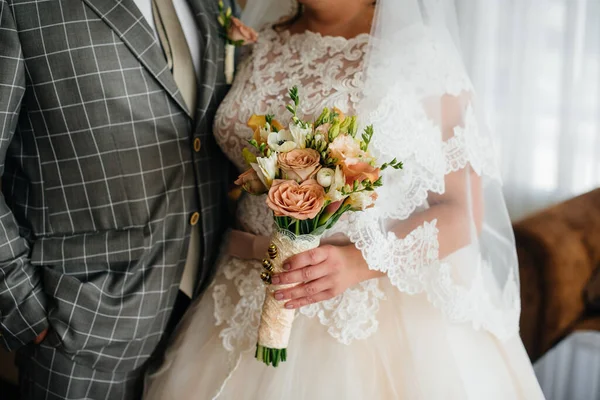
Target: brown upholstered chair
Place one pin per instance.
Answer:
(559, 252)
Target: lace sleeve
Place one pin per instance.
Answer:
(439, 226)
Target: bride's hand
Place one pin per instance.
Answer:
(323, 273)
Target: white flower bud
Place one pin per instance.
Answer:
(325, 177)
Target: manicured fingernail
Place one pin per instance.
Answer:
(286, 266)
(278, 296)
(289, 306)
(275, 280)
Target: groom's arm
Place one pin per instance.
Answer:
(22, 300)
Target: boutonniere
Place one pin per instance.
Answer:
(236, 34)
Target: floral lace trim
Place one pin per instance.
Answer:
(412, 265)
(468, 146)
(348, 317)
(240, 317)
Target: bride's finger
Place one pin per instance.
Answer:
(310, 257)
(304, 301)
(305, 274)
(305, 290)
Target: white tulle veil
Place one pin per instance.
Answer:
(440, 226)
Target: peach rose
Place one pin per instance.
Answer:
(299, 164)
(240, 32)
(251, 183)
(299, 201)
(360, 172)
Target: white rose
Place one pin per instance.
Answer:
(281, 141)
(325, 177)
(266, 169)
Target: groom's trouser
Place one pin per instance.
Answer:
(46, 373)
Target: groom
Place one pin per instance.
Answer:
(113, 188)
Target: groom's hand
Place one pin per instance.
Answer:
(40, 338)
(322, 273)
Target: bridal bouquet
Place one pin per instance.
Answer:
(312, 173)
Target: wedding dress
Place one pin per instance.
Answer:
(379, 340)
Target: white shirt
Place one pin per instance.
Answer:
(188, 23)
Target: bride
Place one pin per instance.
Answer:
(416, 298)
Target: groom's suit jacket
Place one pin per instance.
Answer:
(103, 172)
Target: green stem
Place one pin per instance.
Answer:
(297, 227)
(270, 356)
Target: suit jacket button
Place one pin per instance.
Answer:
(194, 218)
(197, 145)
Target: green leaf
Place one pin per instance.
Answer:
(334, 131)
(353, 127)
(337, 216)
(248, 156)
(366, 138)
(323, 118)
(254, 144)
(293, 108)
(346, 124)
(294, 95)
(393, 164)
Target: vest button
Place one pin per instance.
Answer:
(197, 145)
(194, 218)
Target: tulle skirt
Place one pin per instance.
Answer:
(415, 354)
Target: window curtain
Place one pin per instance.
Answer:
(536, 65)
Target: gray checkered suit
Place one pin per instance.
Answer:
(100, 179)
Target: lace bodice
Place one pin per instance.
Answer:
(328, 71)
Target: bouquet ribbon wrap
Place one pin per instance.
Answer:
(276, 321)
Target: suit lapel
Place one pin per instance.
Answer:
(127, 21)
(206, 13)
